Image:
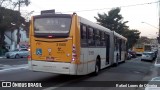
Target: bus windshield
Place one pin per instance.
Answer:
(51, 26)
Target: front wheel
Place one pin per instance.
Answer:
(17, 56)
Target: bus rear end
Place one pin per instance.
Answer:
(139, 49)
(52, 47)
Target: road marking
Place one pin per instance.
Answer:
(25, 66)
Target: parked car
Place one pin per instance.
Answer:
(155, 51)
(17, 53)
(148, 56)
(155, 54)
(133, 53)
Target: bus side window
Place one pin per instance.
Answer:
(91, 41)
(116, 43)
(107, 41)
(83, 29)
(83, 32)
(123, 45)
(102, 39)
(97, 37)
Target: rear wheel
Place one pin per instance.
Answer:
(8, 57)
(17, 56)
(116, 64)
(97, 67)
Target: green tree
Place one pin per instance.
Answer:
(114, 21)
(12, 4)
(20, 3)
(8, 16)
(4, 3)
(132, 36)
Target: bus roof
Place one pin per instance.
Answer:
(119, 36)
(94, 25)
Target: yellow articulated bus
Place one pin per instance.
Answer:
(70, 44)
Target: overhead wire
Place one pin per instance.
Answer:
(114, 7)
(87, 10)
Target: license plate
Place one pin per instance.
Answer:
(49, 58)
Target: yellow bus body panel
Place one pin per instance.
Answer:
(56, 49)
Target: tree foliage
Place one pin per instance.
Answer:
(12, 4)
(5, 3)
(132, 36)
(20, 3)
(114, 21)
(9, 18)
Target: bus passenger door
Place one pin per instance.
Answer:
(120, 49)
(107, 48)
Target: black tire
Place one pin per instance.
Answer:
(17, 56)
(97, 67)
(124, 61)
(116, 64)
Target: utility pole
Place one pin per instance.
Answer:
(158, 38)
(159, 21)
(18, 26)
(159, 18)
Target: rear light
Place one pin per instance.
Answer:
(50, 36)
(74, 55)
(29, 55)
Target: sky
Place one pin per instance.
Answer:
(136, 14)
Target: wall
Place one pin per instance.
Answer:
(11, 38)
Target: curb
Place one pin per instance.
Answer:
(157, 64)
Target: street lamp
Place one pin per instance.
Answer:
(150, 25)
(158, 38)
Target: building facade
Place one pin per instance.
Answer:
(11, 39)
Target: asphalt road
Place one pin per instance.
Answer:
(12, 63)
(132, 70)
(19, 61)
